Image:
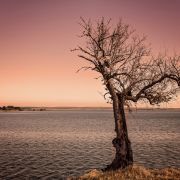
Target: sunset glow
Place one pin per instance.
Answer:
(37, 67)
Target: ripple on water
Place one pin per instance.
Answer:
(43, 145)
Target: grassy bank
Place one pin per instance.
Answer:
(133, 173)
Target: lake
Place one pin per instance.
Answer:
(57, 144)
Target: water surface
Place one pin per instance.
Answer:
(57, 144)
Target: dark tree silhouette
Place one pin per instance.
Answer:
(129, 73)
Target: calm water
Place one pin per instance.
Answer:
(53, 145)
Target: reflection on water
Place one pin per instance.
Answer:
(58, 144)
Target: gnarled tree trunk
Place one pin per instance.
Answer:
(122, 144)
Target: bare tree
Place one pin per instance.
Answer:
(129, 73)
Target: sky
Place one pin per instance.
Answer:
(37, 67)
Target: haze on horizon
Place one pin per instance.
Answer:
(36, 65)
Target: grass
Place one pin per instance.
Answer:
(134, 172)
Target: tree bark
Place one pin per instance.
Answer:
(122, 144)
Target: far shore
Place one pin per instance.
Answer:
(15, 108)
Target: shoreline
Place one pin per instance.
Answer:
(18, 109)
(135, 172)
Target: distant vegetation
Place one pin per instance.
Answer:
(6, 108)
(15, 108)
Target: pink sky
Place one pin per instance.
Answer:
(36, 65)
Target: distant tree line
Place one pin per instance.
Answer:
(5, 108)
(17, 108)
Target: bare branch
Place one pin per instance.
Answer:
(126, 64)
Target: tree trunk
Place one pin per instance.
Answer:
(124, 155)
(122, 144)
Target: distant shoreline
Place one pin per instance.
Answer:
(15, 109)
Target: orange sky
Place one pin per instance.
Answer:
(36, 65)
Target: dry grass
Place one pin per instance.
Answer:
(134, 172)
